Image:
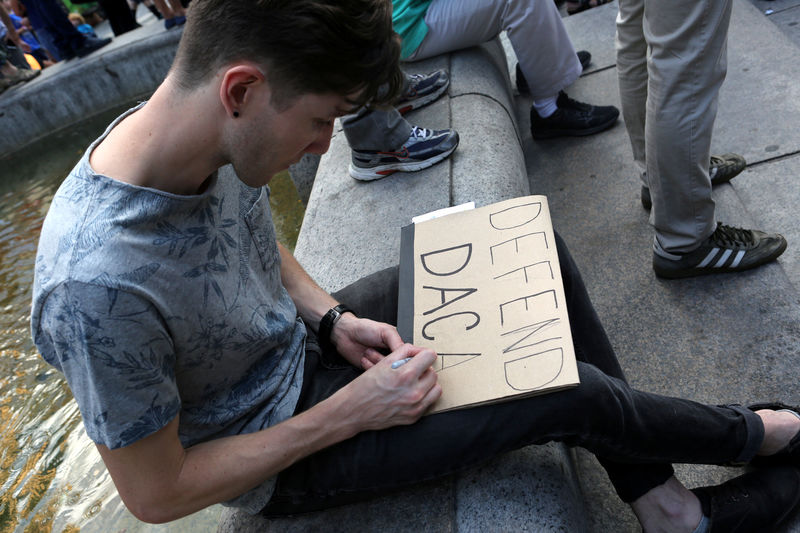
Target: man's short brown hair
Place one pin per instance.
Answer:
(343, 47)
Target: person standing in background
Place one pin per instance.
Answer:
(669, 104)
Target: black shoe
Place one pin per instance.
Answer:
(573, 119)
(722, 169)
(755, 502)
(790, 455)
(522, 84)
(91, 44)
(728, 249)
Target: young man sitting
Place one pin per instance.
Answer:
(209, 367)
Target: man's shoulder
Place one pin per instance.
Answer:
(101, 230)
(82, 234)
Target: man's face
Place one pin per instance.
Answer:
(278, 138)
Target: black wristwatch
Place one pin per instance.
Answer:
(326, 325)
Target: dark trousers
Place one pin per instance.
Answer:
(635, 435)
(119, 16)
(48, 15)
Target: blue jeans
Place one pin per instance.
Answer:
(635, 435)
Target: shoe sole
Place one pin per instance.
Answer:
(382, 171)
(552, 134)
(691, 273)
(425, 100)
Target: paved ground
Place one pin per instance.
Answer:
(783, 13)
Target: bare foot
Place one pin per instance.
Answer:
(780, 427)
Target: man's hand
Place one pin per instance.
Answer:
(383, 396)
(360, 340)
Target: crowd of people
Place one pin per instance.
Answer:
(35, 34)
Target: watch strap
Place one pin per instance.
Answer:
(328, 321)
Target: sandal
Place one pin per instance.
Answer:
(576, 6)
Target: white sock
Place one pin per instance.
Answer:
(546, 106)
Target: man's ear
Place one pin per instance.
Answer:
(238, 82)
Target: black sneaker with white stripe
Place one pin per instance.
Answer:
(728, 249)
(423, 149)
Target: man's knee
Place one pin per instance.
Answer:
(373, 296)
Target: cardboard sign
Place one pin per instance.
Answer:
(483, 288)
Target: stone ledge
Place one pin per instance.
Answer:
(129, 68)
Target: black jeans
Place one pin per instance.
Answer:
(635, 435)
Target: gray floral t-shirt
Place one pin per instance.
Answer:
(155, 305)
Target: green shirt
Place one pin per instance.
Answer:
(408, 17)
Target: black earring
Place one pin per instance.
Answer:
(235, 114)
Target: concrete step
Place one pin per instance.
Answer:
(718, 339)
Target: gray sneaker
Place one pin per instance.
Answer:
(728, 249)
(423, 149)
(422, 90)
(722, 169)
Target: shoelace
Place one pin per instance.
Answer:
(713, 168)
(716, 161)
(731, 236)
(420, 133)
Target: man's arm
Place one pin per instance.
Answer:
(357, 340)
(17, 7)
(311, 301)
(160, 481)
(12, 32)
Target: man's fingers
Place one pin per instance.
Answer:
(372, 356)
(422, 359)
(428, 379)
(391, 338)
(415, 358)
(434, 393)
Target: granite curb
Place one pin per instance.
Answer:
(127, 69)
